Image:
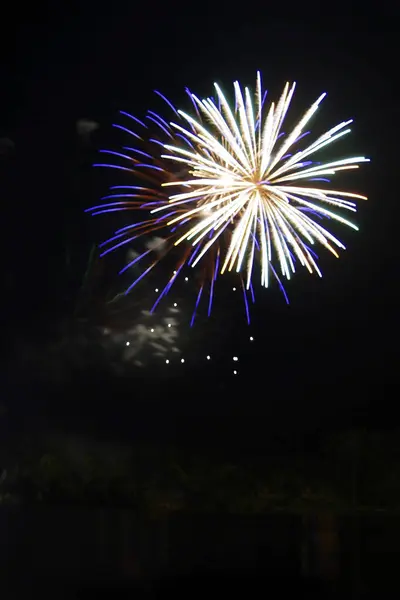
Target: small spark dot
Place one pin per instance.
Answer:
(235, 358)
(167, 361)
(169, 325)
(235, 372)
(175, 304)
(127, 344)
(182, 360)
(156, 290)
(186, 279)
(208, 357)
(251, 338)
(234, 289)
(152, 330)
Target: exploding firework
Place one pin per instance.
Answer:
(246, 193)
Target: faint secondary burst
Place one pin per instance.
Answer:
(150, 338)
(246, 192)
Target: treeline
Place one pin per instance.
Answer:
(354, 470)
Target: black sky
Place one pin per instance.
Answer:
(337, 343)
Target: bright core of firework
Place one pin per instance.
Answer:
(246, 177)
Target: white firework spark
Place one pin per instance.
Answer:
(242, 179)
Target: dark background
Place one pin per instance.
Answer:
(330, 358)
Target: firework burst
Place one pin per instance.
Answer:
(246, 192)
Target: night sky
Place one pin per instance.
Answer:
(329, 357)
